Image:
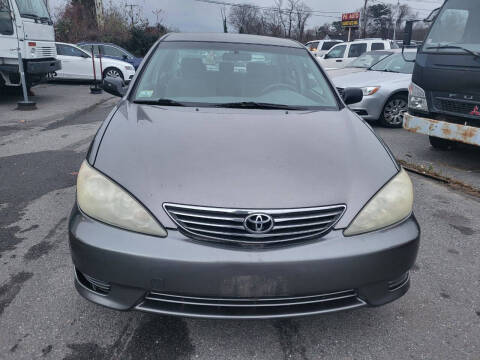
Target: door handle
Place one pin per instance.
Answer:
(339, 60)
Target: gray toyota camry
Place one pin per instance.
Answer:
(232, 181)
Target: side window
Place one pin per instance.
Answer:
(378, 46)
(336, 52)
(312, 46)
(6, 24)
(357, 49)
(327, 45)
(88, 49)
(71, 51)
(112, 51)
(60, 49)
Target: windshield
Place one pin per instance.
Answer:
(368, 59)
(212, 74)
(458, 24)
(396, 63)
(33, 8)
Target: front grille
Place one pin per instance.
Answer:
(228, 225)
(455, 106)
(45, 51)
(249, 307)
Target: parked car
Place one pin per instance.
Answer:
(341, 55)
(362, 63)
(320, 47)
(111, 51)
(77, 64)
(385, 88)
(221, 194)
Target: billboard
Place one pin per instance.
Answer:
(351, 19)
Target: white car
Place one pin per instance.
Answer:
(341, 55)
(77, 64)
(320, 47)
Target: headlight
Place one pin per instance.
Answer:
(102, 199)
(129, 68)
(392, 204)
(370, 90)
(417, 100)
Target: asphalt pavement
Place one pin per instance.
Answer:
(42, 316)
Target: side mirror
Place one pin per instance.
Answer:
(115, 86)
(124, 57)
(407, 36)
(352, 95)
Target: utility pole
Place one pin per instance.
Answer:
(131, 6)
(99, 13)
(396, 21)
(223, 12)
(157, 14)
(365, 19)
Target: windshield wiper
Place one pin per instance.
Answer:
(166, 102)
(31, 16)
(255, 105)
(440, 47)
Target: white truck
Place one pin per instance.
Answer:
(26, 25)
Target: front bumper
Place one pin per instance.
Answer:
(442, 129)
(179, 276)
(43, 66)
(371, 107)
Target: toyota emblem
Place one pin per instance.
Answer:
(258, 223)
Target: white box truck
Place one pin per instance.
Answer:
(26, 25)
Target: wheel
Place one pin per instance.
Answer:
(393, 111)
(442, 144)
(112, 72)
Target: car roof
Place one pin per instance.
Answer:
(232, 38)
(95, 43)
(335, 40)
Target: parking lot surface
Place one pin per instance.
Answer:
(41, 315)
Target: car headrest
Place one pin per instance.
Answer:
(226, 67)
(255, 69)
(192, 67)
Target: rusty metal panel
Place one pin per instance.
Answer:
(442, 129)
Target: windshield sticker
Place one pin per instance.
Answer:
(145, 94)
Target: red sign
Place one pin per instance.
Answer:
(351, 19)
(351, 16)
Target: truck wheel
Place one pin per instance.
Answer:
(393, 111)
(112, 72)
(442, 144)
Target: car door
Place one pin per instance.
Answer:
(76, 63)
(8, 38)
(335, 57)
(356, 49)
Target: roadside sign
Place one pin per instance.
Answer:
(351, 19)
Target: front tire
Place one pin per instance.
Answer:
(442, 144)
(393, 111)
(112, 72)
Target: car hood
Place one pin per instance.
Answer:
(333, 73)
(108, 61)
(256, 159)
(371, 78)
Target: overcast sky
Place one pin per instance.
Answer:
(194, 16)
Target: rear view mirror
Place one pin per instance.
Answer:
(352, 95)
(115, 86)
(236, 56)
